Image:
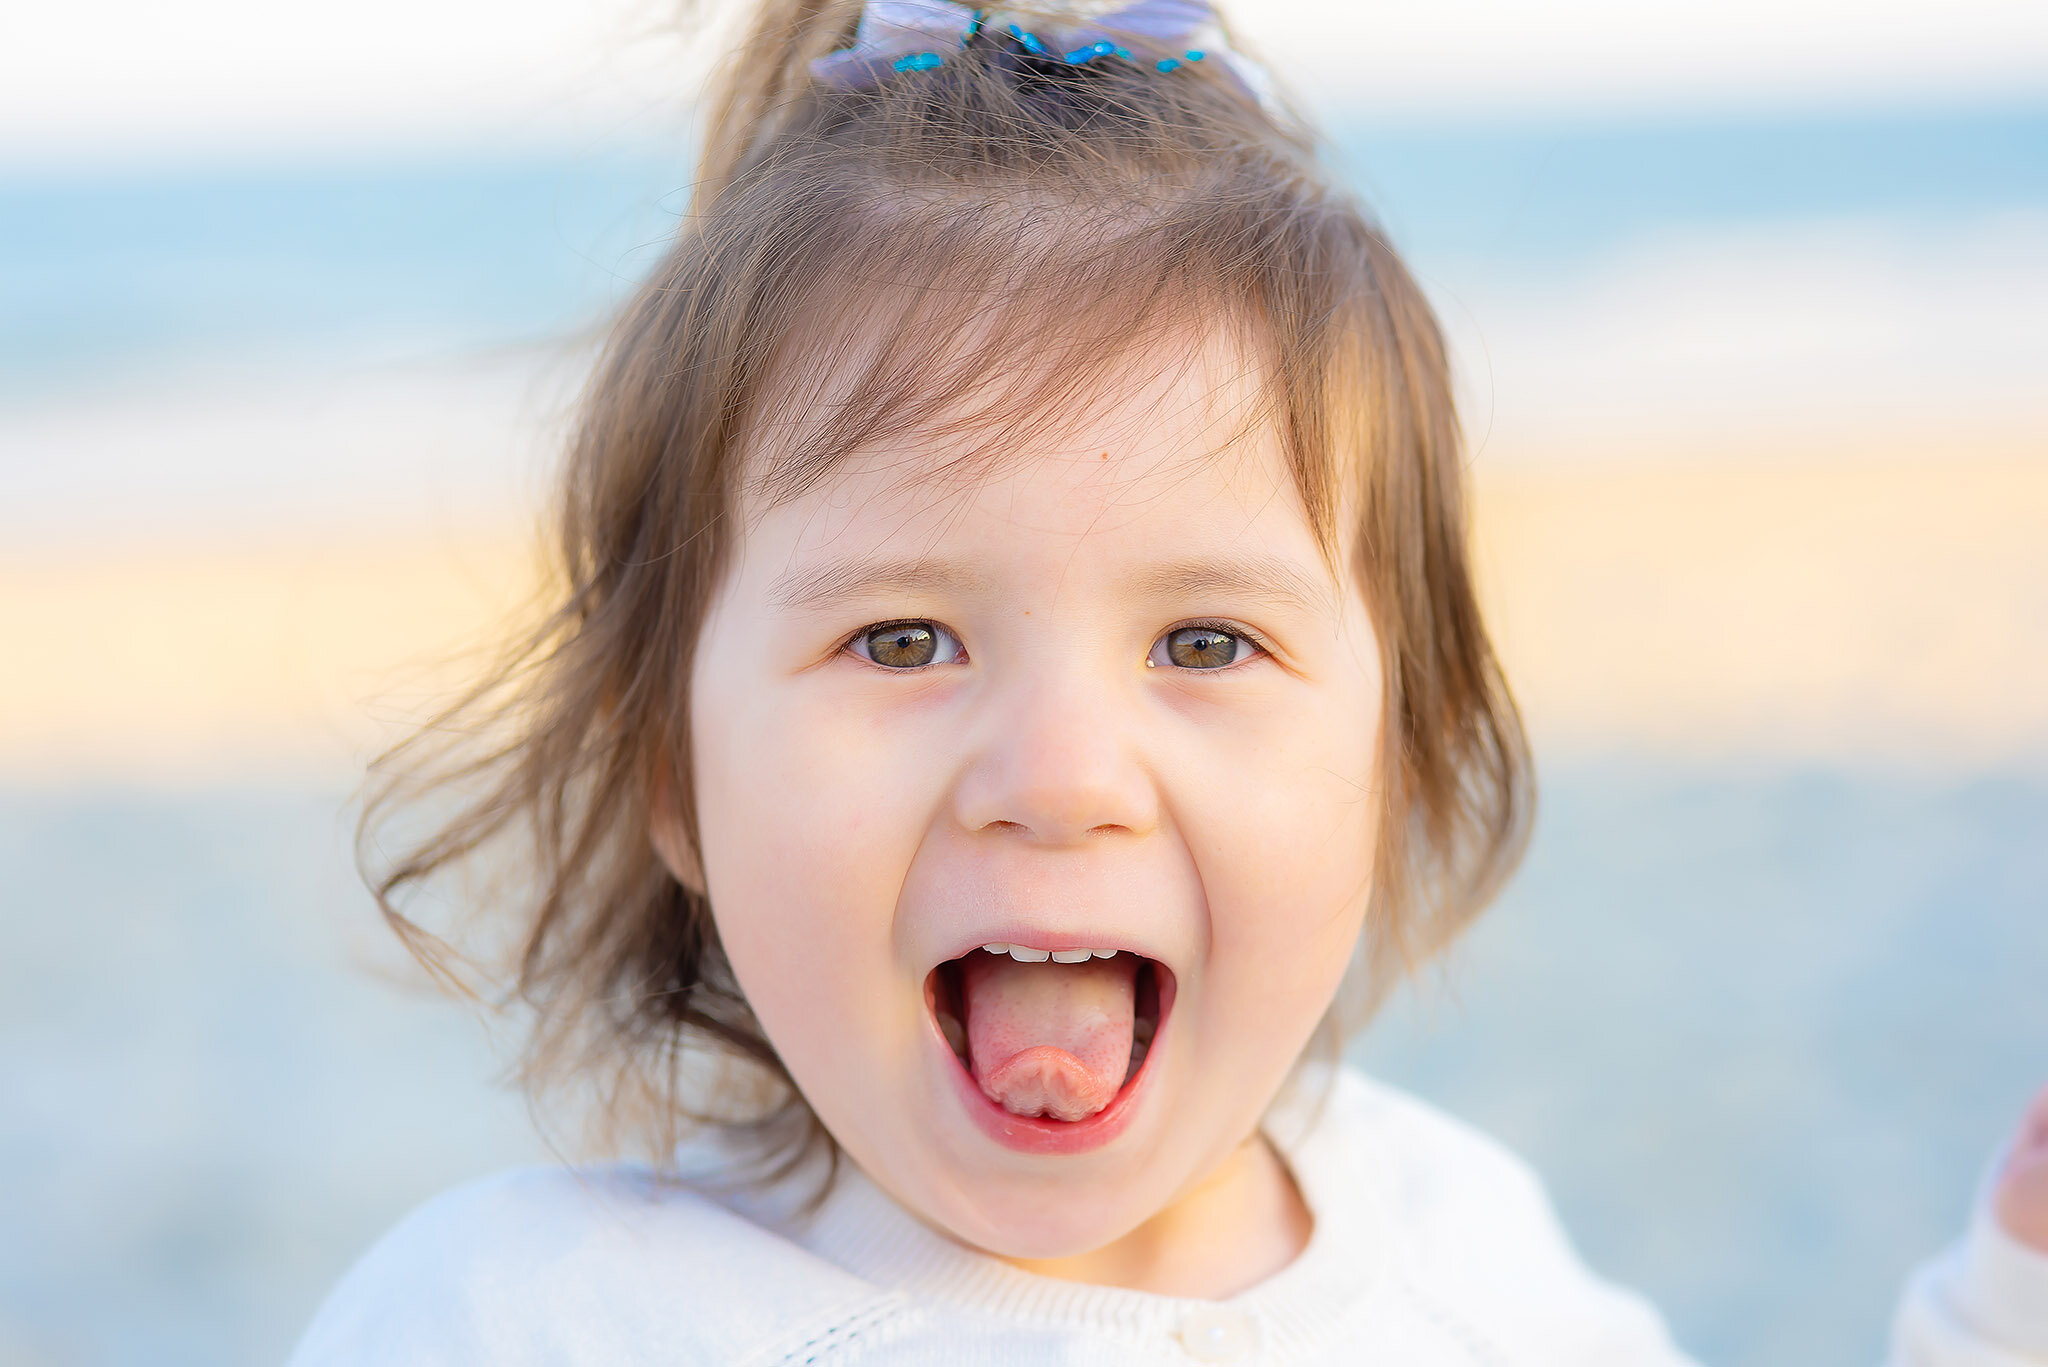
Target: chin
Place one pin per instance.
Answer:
(1035, 1222)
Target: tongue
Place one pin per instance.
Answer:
(1049, 1039)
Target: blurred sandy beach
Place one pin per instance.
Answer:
(1869, 603)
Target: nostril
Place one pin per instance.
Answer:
(1106, 828)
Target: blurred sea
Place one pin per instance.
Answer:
(107, 277)
(1758, 1019)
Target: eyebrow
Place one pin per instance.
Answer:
(840, 582)
(1262, 579)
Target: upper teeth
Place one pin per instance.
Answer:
(1025, 955)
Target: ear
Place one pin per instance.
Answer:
(666, 832)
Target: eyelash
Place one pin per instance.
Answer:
(1228, 628)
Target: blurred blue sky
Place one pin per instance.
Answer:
(129, 79)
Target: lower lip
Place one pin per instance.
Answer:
(1032, 1134)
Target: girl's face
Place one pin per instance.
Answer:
(1111, 698)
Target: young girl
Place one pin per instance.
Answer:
(1018, 700)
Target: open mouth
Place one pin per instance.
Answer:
(1051, 1044)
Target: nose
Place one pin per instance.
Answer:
(1059, 766)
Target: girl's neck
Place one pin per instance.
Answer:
(1238, 1226)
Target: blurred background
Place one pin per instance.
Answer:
(1751, 310)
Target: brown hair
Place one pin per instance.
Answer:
(999, 216)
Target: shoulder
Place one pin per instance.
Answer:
(575, 1265)
(1432, 1170)
(1473, 1234)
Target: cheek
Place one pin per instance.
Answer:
(810, 817)
(1290, 887)
(1286, 851)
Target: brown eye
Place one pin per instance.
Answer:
(907, 645)
(1202, 648)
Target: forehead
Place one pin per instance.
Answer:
(1171, 453)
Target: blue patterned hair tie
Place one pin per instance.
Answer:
(917, 35)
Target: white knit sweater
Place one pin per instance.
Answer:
(1432, 1245)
